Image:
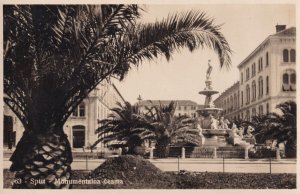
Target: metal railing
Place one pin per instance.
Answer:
(267, 165)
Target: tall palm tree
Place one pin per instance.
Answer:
(125, 127)
(54, 55)
(170, 129)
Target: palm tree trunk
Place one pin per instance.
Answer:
(43, 159)
(162, 147)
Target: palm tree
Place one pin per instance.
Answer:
(281, 128)
(284, 128)
(54, 55)
(261, 124)
(123, 128)
(170, 129)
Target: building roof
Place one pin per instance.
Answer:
(228, 90)
(287, 32)
(165, 102)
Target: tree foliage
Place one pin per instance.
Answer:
(174, 129)
(125, 127)
(54, 55)
(280, 127)
(128, 127)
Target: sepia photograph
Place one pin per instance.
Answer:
(149, 95)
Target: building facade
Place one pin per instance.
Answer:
(183, 107)
(267, 76)
(229, 102)
(82, 123)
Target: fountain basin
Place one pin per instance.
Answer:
(209, 111)
(208, 92)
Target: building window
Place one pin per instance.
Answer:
(235, 102)
(285, 55)
(247, 115)
(242, 78)
(253, 112)
(242, 100)
(293, 55)
(228, 105)
(184, 107)
(78, 136)
(238, 100)
(267, 85)
(179, 107)
(289, 80)
(260, 110)
(260, 87)
(79, 111)
(253, 69)
(260, 64)
(82, 110)
(293, 81)
(231, 103)
(268, 108)
(247, 94)
(247, 74)
(253, 90)
(267, 59)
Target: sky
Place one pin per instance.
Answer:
(244, 27)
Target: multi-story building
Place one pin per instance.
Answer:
(183, 107)
(267, 76)
(82, 123)
(229, 102)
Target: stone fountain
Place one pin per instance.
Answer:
(213, 128)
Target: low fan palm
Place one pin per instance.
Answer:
(261, 124)
(122, 128)
(284, 128)
(280, 127)
(167, 128)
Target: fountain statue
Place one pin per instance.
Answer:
(249, 132)
(249, 137)
(209, 115)
(213, 129)
(202, 138)
(223, 123)
(209, 70)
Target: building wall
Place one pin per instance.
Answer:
(267, 60)
(183, 107)
(229, 102)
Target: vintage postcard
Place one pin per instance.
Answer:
(171, 96)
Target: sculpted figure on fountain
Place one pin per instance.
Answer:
(249, 132)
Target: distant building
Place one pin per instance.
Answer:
(267, 78)
(183, 107)
(81, 125)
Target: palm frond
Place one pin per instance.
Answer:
(192, 30)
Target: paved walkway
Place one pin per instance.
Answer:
(202, 165)
(229, 165)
